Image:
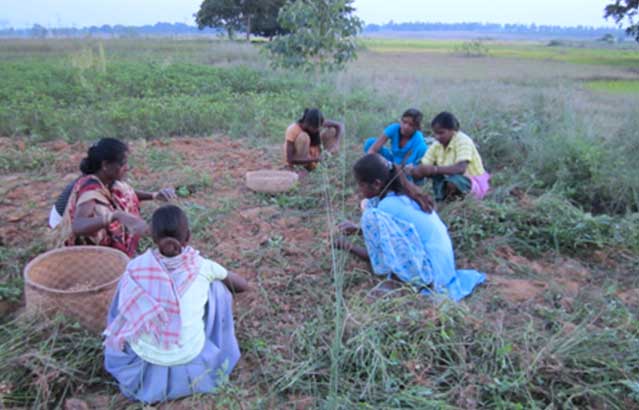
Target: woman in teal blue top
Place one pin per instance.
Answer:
(404, 236)
(407, 141)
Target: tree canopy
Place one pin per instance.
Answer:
(625, 10)
(321, 35)
(258, 17)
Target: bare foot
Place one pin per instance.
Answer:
(383, 289)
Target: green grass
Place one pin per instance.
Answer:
(585, 54)
(614, 86)
(308, 333)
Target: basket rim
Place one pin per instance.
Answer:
(79, 248)
(271, 173)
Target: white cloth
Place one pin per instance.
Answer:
(54, 218)
(192, 337)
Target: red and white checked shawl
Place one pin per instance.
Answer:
(149, 301)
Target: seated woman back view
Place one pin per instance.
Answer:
(170, 330)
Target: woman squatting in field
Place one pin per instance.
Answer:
(404, 236)
(453, 162)
(407, 144)
(305, 138)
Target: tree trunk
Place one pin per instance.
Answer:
(248, 28)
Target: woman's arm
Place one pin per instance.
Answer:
(339, 131)
(349, 228)
(346, 244)
(374, 149)
(85, 223)
(164, 194)
(290, 151)
(458, 168)
(422, 171)
(236, 283)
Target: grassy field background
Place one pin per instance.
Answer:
(554, 327)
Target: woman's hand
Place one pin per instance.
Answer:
(408, 169)
(165, 194)
(348, 228)
(342, 242)
(135, 224)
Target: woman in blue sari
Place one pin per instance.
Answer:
(404, 236)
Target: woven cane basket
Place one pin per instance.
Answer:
(271, 182)
(77, 281)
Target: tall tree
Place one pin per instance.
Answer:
(627, 10)
(265, 21)
(322, 35)
(220, 13)
(257, 17)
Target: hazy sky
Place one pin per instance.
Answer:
(55, 13)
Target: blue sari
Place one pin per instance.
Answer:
(403, 240)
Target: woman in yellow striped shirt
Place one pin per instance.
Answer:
(453, 162)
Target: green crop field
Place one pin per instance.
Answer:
(554, 327)
(580, 53)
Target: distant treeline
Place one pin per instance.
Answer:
(182, 29)
(532, 29)
(158, 29)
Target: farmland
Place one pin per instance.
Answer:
(556, 324)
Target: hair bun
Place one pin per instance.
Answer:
(169, 246)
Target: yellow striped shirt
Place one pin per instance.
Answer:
(460, 148)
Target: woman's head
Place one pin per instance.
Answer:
(311, 122)
(170, 230)
(109, 157)
(376, 176)
(411, 121)
(444, 126)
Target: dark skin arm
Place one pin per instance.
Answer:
(236, 283)
(342, 242)
(422, 171)
(165, 194)
(339, 132)
(86, 223)
(349, 228)
(144, 196)
(290, 150)
(378, 144)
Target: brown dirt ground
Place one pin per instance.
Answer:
(269, 246)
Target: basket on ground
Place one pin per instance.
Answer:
(77, 281)
(271, 182)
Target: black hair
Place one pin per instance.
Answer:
(314, 118)
(416, 115)
(107, 149)
(170, 229)
(372, 167)
(446, 121)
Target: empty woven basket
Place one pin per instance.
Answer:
(271, 182)
(77, 281)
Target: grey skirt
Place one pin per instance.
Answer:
(150, 383)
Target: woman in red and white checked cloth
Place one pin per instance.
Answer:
(170, 328)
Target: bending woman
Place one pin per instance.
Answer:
(102, 209)
(305, 138)
(403, 234)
